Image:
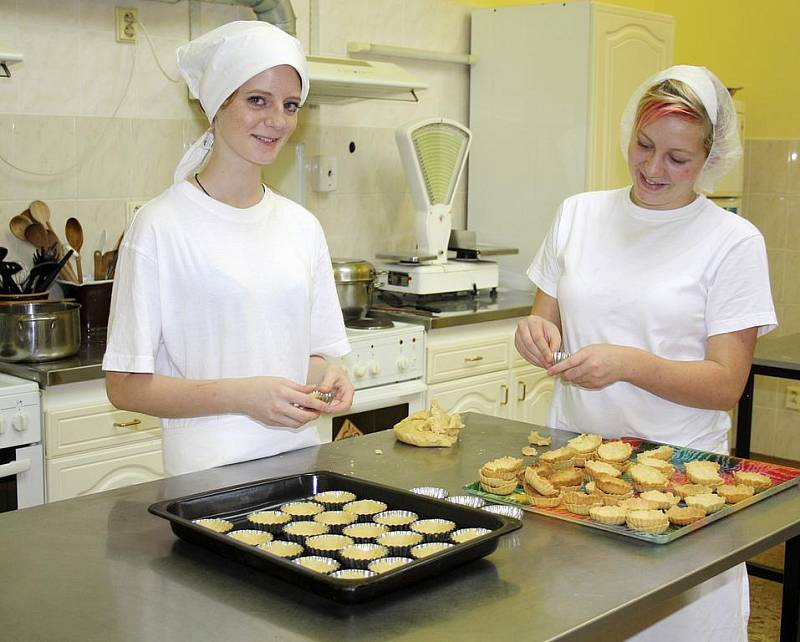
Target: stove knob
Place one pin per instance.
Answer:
(19, 423)
(375, 367)
(359, 371)
(402, 363)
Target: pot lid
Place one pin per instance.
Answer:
(350, 270)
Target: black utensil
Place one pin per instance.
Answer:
(7, 271)
(37, 274)
(46, 281)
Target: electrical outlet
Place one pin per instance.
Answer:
(793, 397)
(130, 211)
(126, 20)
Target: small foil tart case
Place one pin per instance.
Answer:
(400, 543)
(360, 555)
(421, 551)
(335, 520)
(302, 510)
(327, 545)
(471, 501)
(300, 531)
(365, 508)
(365, 532)
(466, 534)
(269, 520)
(334, 499)
(318, 563)
(282, 548)
(430, 491)
(252, 536)
(353, 574)
(386, 564)
(396, 520)
(434, 530)
(502, 509)
(214, 524)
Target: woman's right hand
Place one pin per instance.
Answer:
(276, 401)
(536, 339)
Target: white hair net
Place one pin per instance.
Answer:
(726, 147)
(219, 62)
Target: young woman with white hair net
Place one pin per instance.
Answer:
(224, 306)
(658, 295)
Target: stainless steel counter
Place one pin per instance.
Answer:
(101, 568)
(84, 366)
(447, 313)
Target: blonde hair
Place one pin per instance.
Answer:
(673, 97)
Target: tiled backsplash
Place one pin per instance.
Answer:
(772, 202)
(55, 113)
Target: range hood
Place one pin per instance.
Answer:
(342, 80)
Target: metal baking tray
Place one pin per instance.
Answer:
(235, 502)
(782, 478)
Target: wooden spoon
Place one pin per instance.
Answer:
(74, 233)
(36, 235)
(40, 213)
(18, 225)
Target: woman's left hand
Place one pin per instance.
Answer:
(335, 380)
(595, 366)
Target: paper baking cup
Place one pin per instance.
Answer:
(252, 536)
(501, 509)
(282, 548)
(386, 564)
(353, 574)
(467, 500)
(303, 529)
(434, 530)
(364, 532)
(334, 499)
(269, 520)
(361, 555)
(327, 544)
(421, 551)
(318, 563)
(400, 543)
(466, 534)
(302, 510)
(396, 520)
(335, 520)
(430, 491)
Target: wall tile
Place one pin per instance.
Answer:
(787, 434)
(7, 173)
(165, 19)
(106, 71)
(768, 168)
(53, 16)
(793, 222)
(790, 318)
(762, 437)
(768, 213)
(103, 149)
(156, 96)
(793, 162)
(160, 143)
(10, 87)
(791, 281)
(8, 12)
(768, 392)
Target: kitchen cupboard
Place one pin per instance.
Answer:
(476, 368)
(547, 91)
(91, 446)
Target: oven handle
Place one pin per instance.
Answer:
(15, 467)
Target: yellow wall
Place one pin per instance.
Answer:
(747, 43)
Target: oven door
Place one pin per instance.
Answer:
(374, 409)
(21, 477)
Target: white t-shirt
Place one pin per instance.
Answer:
(660, 280)
(207, 291)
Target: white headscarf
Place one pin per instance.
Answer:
(219, 62)
(726, 147)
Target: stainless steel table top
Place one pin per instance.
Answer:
(101, 568)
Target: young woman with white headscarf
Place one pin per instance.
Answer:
(659, 295)
(224, 307)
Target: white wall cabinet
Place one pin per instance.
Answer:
(546, 95)
(477, 369)
(91, 446)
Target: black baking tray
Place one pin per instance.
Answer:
(235, 502)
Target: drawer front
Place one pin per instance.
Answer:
(90, 428)
(94, 472)
(453, 362)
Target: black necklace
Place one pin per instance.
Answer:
(205, 191)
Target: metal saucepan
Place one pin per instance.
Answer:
(355, 280)
(39, 330)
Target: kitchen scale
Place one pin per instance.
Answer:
(434, 153)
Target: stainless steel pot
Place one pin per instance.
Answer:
(355, 280)
(39, 330)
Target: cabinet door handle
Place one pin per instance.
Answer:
(131, 425)
(473, 359)
(504, 388)
(522, 391)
